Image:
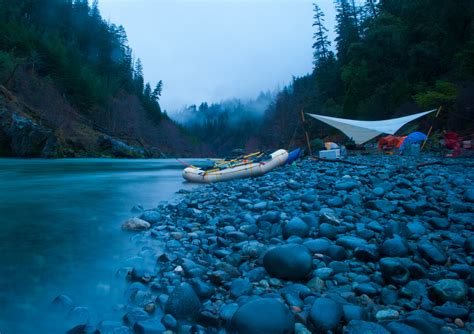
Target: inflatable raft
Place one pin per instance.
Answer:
(240, 171)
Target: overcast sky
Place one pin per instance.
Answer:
(211, 50)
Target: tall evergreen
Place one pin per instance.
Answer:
(138, 76)
(321, 43)
(346, 29)
(155, 96)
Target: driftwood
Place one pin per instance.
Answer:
(346, 162)
(444, 163)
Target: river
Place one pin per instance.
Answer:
(60, 233)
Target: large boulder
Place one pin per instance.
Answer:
(325, 314)
(183, 303)
(118, 148)
(264, 315)
(290, 261)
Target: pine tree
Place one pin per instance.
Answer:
(155, 96)
(370, 5)
(95, 12)
(355, 15)
(321, 43)
(346, 29)
(138, 76)
(147, 92)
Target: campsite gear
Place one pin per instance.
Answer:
(331, 146)
(330, 154)
(412, 149)
(452, 142)
(343, 151)
(293, 156)
(236, 169)
(303, 121)
(390, 142)
(414, 138)
(363, 131)
(431, 128)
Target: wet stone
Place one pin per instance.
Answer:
(317, 245)
(450, 310)
(325, 314)
(295, 227)
(327, 231)
(290, 261)
(183, 302)
(395, 247)
(450, 290)
(151, 326)
(263, 316)
(364, 327)
(240, 287)
(394, 271)
(432, 253)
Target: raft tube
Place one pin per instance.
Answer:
(195, 174)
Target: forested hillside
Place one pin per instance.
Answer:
(72, 77)
(227, 125)
(390, 58)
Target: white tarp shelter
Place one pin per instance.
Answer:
(363, 131)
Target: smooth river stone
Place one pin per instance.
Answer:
(364, 327)
(290, 261)
(265, 315)
(295, 227)
(183, 302)
(450, 290)
(325, 314)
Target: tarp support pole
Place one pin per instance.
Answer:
(306, 133)
(431, 129)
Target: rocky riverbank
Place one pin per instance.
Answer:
(320, 247)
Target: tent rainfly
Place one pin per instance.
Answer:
(363, 131)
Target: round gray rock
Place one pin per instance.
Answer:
(325, 314)
(290, 261)
(364, 327)
(396, 247)
(183, 302)
(450, 290)
(264, 315)
(297, 227)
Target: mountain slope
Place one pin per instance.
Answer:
(73, 74)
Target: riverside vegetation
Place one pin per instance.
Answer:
(313, 248)
(76, 80)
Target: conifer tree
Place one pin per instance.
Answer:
(138, 76)
(346, 29)
(321, 43)
(147, 92)
(155, 96)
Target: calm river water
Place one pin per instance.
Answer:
(60, 233)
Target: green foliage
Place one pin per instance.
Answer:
(444, 93)
(227, 125)
(88, 58)
(7, 65)
(465, 61)
(391, 56)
